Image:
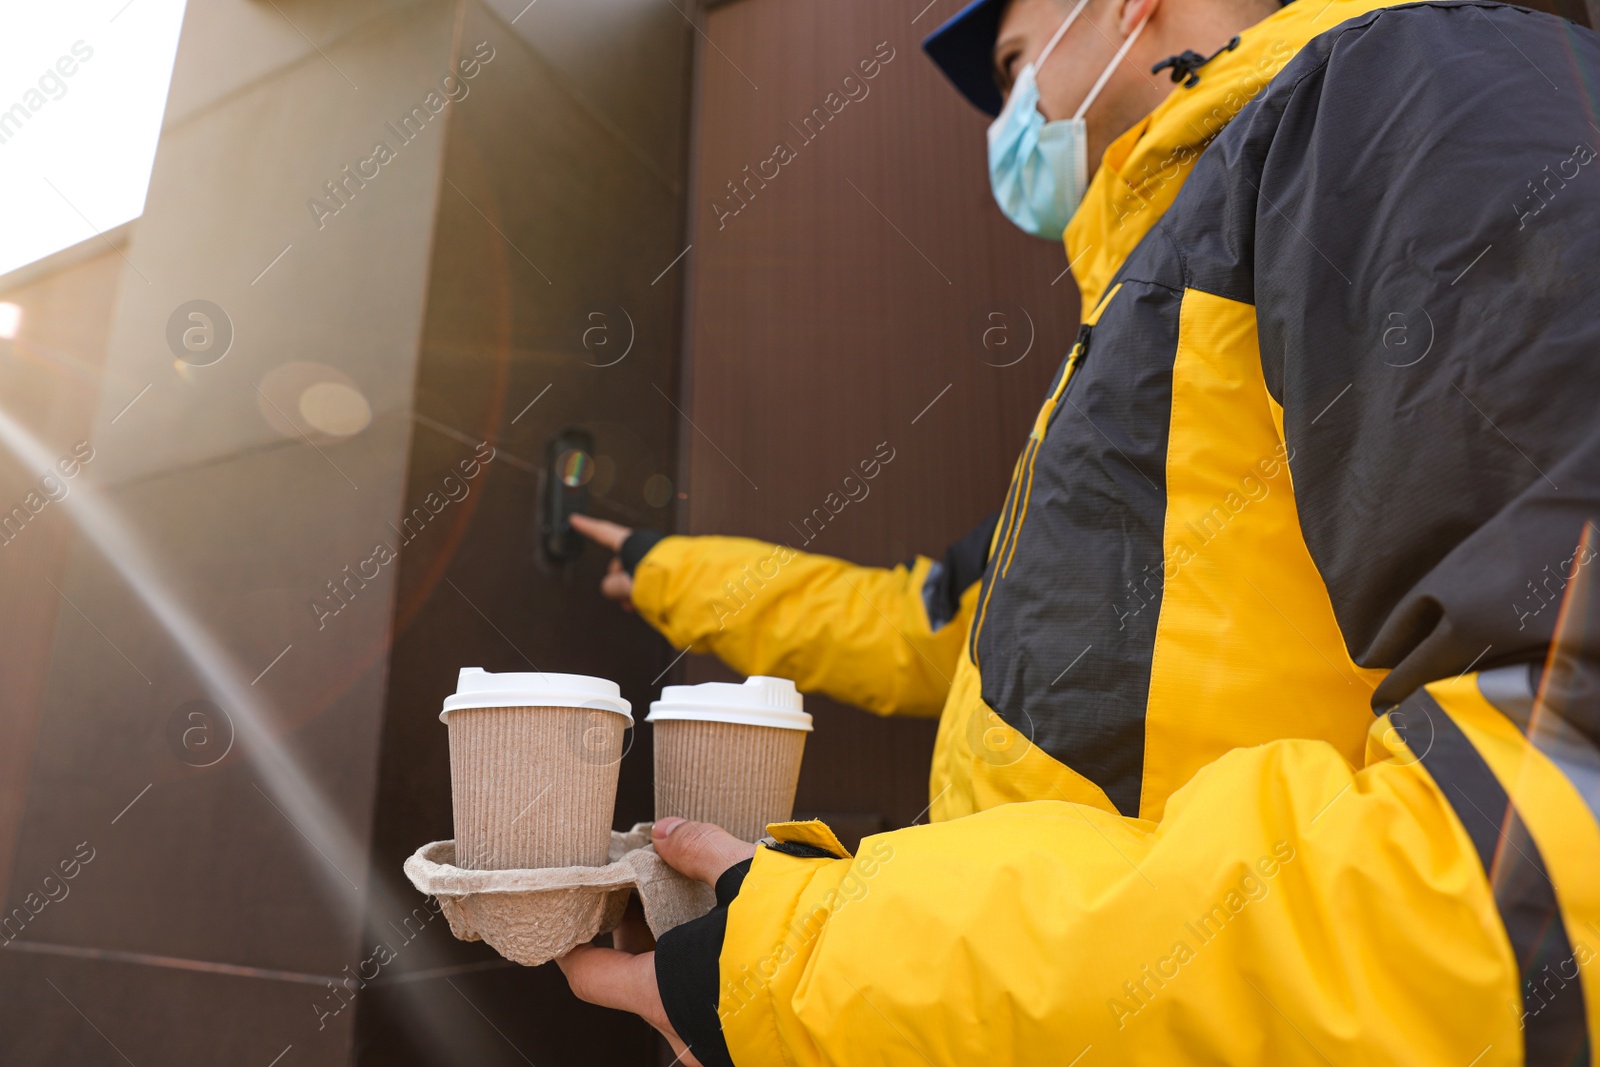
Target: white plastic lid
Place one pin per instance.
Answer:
(758, 701)
(477, 688)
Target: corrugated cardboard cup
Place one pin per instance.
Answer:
(533, 768)
(729, 754)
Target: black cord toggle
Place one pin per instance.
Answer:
(1186, 65)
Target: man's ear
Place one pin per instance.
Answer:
(1130, 12)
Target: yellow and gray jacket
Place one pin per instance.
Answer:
(1326, 444)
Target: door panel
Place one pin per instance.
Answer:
(852, 283)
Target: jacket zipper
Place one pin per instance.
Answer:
(1022, 487)
(1080, 352)
(1041, 426)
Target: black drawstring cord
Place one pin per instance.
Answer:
(1186, 65)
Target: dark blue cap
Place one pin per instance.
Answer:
(964, 49)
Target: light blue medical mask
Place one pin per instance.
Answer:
(1039, 170)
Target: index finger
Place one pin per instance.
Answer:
(601, 532)
(615, 979)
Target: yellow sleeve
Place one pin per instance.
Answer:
(1286, 910)
(858, 634)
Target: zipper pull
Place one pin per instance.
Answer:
(1082, 344)
(1080, 349)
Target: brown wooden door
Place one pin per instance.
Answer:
(855, 286)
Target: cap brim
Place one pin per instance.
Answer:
(963, 48)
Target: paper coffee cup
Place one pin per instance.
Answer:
(729, 754)
(533, 768)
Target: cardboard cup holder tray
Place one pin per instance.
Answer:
(534, 916)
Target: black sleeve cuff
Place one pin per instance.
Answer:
(638, 543)
(688, 976)
(963, 564)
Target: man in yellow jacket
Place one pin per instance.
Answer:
(1325, 447)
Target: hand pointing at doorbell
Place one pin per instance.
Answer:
(618, 583)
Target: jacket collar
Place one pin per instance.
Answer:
(1142, 170)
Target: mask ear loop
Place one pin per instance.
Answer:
(1111, 68)
(1050, 47)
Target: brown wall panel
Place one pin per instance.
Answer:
(559, 208)
(861, 276)
(50, 379)
(225, 892)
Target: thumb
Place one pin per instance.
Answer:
(617, 584)
(700, 850)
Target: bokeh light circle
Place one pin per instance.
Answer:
(335, 408)
(657, 490)
(574, 467)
